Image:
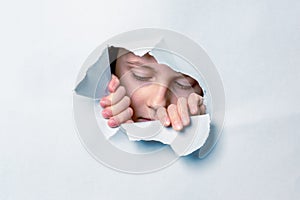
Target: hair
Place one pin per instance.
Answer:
(113, 53)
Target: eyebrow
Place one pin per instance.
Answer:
(191, 80)
(140, 64)
(134, 62)
(148, 67)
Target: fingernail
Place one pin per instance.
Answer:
(112, 122)
(106, 113)
(177, 126)
(167, 122)
(103, 103)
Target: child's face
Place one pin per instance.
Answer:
(151, 85)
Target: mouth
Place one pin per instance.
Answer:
(142, 119)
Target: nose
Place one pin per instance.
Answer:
(157, 96)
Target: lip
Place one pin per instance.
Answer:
(142, 119)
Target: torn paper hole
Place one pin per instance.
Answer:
(94, 85)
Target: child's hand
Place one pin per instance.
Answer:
(179, 115)
(116, 104)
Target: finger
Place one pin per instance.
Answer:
(162, 115)
(202, 109)
(194, 100)
(113, 84)
(104, 102)
(122, 117)
(113, 98)
(183, 111)
(129, 121)
(117, 108)
(174, 117)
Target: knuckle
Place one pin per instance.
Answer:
(111, 96)
(181, 100)
(172, 108)
(194, 96)
(119, 119)
(122, 90)
(126, 99)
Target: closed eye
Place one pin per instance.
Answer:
(183, 86)
(141, 78)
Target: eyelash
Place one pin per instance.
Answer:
(183, 87)
(141, 78)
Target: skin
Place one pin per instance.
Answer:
(143, 90)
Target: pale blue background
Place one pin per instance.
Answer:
(254, 44)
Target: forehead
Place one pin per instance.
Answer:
(132, 58)
(146, 62)
(148, 66)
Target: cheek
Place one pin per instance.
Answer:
(136, 100)
(130, 84)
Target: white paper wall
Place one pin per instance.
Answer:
(255, 46)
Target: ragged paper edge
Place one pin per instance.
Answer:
(197, 132)
(109, 132)
(183, 143)
(89, 85)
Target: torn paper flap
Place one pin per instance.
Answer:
(194, 137)
(138, 45)
(183, 143)
(95, 83)
(149, 131)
